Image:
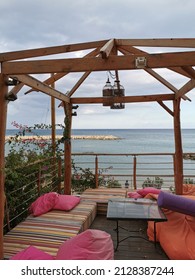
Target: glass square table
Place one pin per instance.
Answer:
(134, 209)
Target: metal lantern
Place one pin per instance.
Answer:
(118, 90)
(107, 93)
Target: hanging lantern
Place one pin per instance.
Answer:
(107, 93)
(118, 90)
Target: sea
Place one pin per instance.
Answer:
(129, 141)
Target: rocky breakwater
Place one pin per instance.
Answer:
(74, 137)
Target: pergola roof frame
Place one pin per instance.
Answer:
(104, 55)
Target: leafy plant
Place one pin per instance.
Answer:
(156, 183)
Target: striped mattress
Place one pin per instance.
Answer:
(49, 230)
(101, 197)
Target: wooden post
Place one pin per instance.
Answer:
(134, 172)
(67, 149)
(3, 118)
(59, 174)
(96, 171)
(53, 122)
(178, 148)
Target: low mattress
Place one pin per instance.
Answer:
(101, 197)
(49, 230)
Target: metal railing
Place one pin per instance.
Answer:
(90, 170)
(29, 182)
(140, 170)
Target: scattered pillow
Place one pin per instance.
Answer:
(89, 245)
(147, 190)
(66, 202)
(43, 204)
(32, 253)
(176, 203)
(134, 195)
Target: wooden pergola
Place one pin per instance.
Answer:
(107, 55)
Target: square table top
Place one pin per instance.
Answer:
(134, 209)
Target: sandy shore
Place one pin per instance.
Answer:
(76, 137)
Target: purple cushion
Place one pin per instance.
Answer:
(176, 203)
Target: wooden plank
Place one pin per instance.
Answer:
(178, 148)
(123, 99)
(186, 88)
(169, 42)
(126, 62)
(32, 82)
(106, 49)
(166, 108)
(190, 71)
(50, 50)
(3, 118)
(55, 77)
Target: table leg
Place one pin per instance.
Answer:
(117, 235)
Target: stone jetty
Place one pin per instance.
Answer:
(74, 137)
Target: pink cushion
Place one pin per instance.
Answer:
(147, 190)
(43, 204)
(89, 245)
(32, 253)
(66, 202)
(134, 195)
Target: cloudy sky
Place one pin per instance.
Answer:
(42, 23)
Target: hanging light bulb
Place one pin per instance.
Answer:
(118, 90)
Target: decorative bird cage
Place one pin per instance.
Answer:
(107, 93)
(118, 90)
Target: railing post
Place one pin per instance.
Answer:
(96, 172)
(59, 174)
(134, 172)
(39, 181)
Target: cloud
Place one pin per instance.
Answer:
(41, 23)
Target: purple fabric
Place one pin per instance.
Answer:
(176, 203)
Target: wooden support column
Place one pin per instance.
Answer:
(67, 148)
(53, 122)
(3, 117)
(178, 148)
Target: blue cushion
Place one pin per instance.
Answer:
(176, 203)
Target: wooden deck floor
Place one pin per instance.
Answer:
(132, 248)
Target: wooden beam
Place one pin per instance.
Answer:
(123, 99)
(186, 88)
(176, 43)
(133, 50)
(67, 149)
(32, 82)
(50, 50)
(178, 148)
(106, 49)
(3, 117)
(166, 108)
(126, 62)
(190, 71)
(55, 77)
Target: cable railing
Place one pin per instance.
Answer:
(89, 170)
(134, 170)
(30, 182)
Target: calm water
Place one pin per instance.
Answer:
(132, 140)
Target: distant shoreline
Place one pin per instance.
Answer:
(74, 137)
